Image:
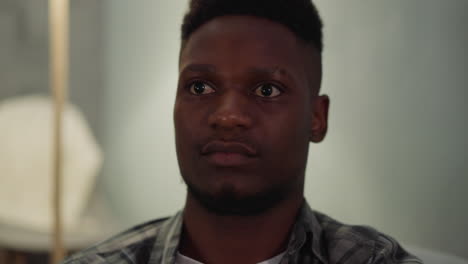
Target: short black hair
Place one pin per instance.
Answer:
(299, 16)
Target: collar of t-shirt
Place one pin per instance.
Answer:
(181, 259)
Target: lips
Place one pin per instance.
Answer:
(228, 147)
(228, 154)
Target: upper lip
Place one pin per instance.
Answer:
(228, 147)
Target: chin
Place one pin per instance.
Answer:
(232, 201)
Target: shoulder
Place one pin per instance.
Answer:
(132, 245)
(356, 244)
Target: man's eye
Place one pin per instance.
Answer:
(267, 90)
(199, 88)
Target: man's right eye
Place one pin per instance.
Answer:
(200, 88)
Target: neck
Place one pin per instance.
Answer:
(212, 238)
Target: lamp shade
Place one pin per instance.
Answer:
(26, 138)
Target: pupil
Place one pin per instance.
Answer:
(267, 90)
(199, 87)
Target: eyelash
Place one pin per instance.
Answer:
(280, 87)
(192, 82)
(274, 84)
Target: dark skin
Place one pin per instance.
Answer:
(247, 106)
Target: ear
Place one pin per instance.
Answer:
(319, 122)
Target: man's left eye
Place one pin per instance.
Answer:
(267, 90)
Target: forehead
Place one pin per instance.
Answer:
(236, 43)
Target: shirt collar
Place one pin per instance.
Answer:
(306, 227)
(167, 241)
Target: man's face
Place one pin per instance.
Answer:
(245, 112)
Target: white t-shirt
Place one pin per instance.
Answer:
(181, 259)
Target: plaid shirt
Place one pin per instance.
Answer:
(316, 239)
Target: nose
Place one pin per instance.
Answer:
(231, 113)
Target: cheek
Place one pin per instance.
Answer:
(288, 136)
(183, 138)
(186, 119)
(288, 123)
(181, 127)
(189, 129)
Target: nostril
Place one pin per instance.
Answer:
(230, 120)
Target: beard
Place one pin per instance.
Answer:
(229, 202)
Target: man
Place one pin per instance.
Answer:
(247, 106)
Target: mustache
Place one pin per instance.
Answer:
(235, 145)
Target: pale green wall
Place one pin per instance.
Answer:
(397, 150)
(396, 155)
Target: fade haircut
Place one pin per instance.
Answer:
(299, 16)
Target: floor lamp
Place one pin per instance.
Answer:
(59, 69)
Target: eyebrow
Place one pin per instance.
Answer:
(209, 68)
(199, 68)
(270, 71)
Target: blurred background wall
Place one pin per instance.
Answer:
(24, 52)
(396, 154)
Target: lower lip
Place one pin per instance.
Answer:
(225, 159)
